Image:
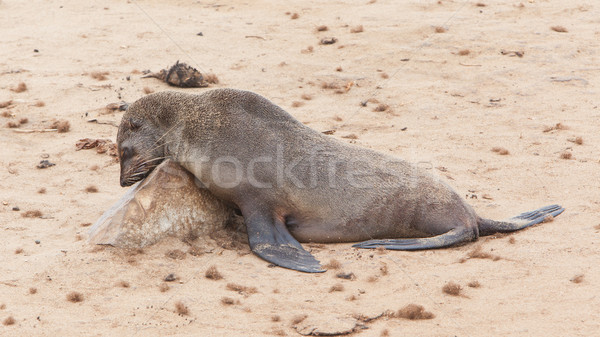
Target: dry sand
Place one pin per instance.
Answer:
(494, 75)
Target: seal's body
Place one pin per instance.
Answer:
(293, 183)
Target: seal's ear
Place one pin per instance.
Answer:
(132, 124)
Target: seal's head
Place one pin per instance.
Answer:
(140, 149)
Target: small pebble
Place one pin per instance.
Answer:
(16, 208)
(37, 242)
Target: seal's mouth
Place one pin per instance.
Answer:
(138, 171)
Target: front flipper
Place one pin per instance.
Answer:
(270, 239)
(454, 236)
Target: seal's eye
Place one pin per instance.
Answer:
(126, 152)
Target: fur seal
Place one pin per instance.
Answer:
(293, 184)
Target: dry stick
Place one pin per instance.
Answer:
(32, 131)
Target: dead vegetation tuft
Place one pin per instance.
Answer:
(566, 155)
(32, 214)
(9, 321)
(91, 189)
(336, 287)
(577, 278)
(500, 150)
(413, 312)
(61, 126)
(557, 126)
(213, 274)
(474, 284)
(452, 288)
(181, 308)
(20, 87)
(299, 319)
(357, 29)
(559, 29)
(333, 264)
(99, 75)
(242, 290)
(75, 297)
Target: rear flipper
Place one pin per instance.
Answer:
(523, 220)
(454, 236)
(270, 239)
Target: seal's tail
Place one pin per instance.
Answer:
(524, 220)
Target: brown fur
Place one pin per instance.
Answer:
(369, 196)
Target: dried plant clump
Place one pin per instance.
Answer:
(99, 75)
(512, 240)
(294, 16)
(322, 28)
(381, 107)
(306, 97)
(275, 318)
(228, 301)
(333, 264)
(559, 29)
(577, 140)
(32, 214)
(464, 52)
(75, 297)
(357, 29)
(384, 75)
(413, 312)
(474, 284)
(12, 125)
(577, 278)
(147, 90)
(20, 87)
(23, 120)
(164, 287)
(181, 308)
(500, 150)
(329, 85)
(61, 126)
(440, 29)
(33, 290)
(176, 254)
(9, 321)
(213, 274)
(123, 284)
(243, 290)
(557, 126)
(91, 189)
(298, 319)
(336, 287)
(452, 288)
(566, 155)
(373, 278)
(40, 104)
(478, 253)
(383, 269)
(297, 104)
(211, 79)
(5, 104)
(18, 250)
(42, 190)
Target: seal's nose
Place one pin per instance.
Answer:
(123, 182)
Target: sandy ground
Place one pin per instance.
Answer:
(493, 75)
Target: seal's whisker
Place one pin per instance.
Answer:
(168, 131)
(151, 160)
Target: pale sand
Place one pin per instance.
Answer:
(455, 109)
